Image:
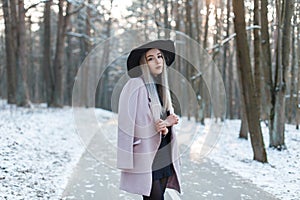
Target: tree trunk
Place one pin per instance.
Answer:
(10, 55)
(102, 93)
(59, 54)
(48, 71)
(244, 127)
(277, 39)
(14, 25)
(291, 113)
(298, 82)
(231, 88)
(278, 119)
(247, 82)
(22, 85)
(71, 70)
(177, 17)
(227, 69)
(206, 23)
(3, 85)
(202, 82)
(197, 21)
(196, 82)
(244, 130)
(58, 60)
(257, 67)
(166, 19)
(266, 59)
(189, 32)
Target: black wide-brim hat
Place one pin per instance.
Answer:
(167, 47)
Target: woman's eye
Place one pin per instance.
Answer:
(159, 56)
(149, 59)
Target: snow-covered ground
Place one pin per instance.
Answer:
(280, 176)
(39, 148)
(38, 151)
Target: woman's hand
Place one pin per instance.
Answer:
(161, 127)
(171, 120)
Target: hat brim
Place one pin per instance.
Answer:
(133, 61)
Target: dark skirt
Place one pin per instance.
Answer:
(162, 164)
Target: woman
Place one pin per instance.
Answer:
(147, 150)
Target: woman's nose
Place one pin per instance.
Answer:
(157, 60)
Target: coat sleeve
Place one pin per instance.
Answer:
(126, 124)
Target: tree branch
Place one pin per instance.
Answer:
(77, 10)
(229, 38)
(32, 6)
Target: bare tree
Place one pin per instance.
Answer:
(48, 71)
(291, 112)
(244, 130)
(266, 58)
(62, 23)
(22, 86)
(166, 18)
(257, 67)
(227, 69)
(196, 83)
(248, 87)
(203, 102)
(277, 118)
(3, 82)
(10, 54)
(298, 79)
(103, 100)
(189, 30)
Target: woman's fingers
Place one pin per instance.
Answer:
(172, 119)
(164, 131)
(160, 125)
(176, 119)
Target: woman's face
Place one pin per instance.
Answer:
(155, 61)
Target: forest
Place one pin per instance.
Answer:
(255, 46)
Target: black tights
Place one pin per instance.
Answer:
(158, 189)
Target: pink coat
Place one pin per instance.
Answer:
(138, 141)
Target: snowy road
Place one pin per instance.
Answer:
(40, 149)
(92, 179)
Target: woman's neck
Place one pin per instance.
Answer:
(157, 79)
